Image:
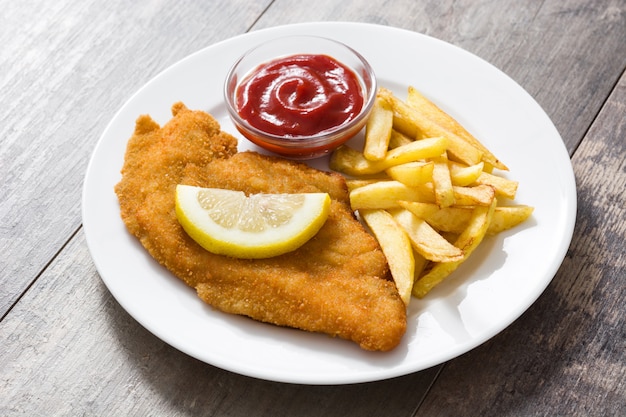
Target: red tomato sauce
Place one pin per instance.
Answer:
(299, 95)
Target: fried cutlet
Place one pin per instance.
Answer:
(337, 283)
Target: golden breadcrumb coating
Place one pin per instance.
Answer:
(337, 283)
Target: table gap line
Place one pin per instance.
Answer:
(259, 16)
(41, 272)
(597, 115)
(427, 391)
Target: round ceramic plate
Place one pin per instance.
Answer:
(493, 288)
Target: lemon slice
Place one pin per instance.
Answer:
(228, 222)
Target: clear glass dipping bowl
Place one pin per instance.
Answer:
(315, 145)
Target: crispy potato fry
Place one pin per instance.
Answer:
(480, 195)
(425, 240)
(414, 124)
(397, 249)
(412, 173)
(378, 130)
(360, 182)
(488, 168)
(420, 266)
(385, 195)
(451, 219)
(444, 194)
(507, 217)
(421, 210)
(416, 150)
(468, 241)
(463, 175)
(416, 100)
(352, 162)
(449, 236)
(398, 139)
(504, 187)
(456, 219)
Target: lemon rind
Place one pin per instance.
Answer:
(285, 239)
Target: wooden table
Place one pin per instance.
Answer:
(68, 348)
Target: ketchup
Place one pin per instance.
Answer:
(299, 95)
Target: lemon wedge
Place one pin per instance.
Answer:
(228, 222)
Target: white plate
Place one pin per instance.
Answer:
(499, 282)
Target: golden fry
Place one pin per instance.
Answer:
(378, 130)
(463, 175)
(385, 195)
(444, 194)
(456, 219)
(503, 186)
(398, 139)
(411, 122)
(420, 265)
(416, 100)
(425, 240)
(468, 241)
(420, 209)
(451, 219)
(396, 248)
(507, 217)
(412, 173)
(352, 162)
(360, 182)
(480, 195)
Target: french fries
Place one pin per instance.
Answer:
(428, 190)
(416, 100)
(425, 240)
(412, 122)
(442, 183)
(503, 186)
(378, 130)
(352, 162)
(469, 240)
(396, 247)
(465, 175)
(385, 195)
(412, 173)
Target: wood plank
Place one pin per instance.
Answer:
(68, 348)
(66, 69)
(567, 354)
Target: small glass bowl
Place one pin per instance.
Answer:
(301, 147)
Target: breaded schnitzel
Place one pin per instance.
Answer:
(337, 283)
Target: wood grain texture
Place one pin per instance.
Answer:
(567, 354)
(66, 68)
